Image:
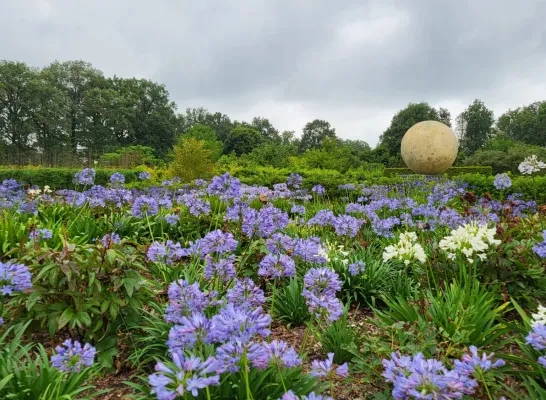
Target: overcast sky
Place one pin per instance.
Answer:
(351, 62)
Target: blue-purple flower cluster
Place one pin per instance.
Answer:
(72, 356)
(422, 378)
(320, 288)
(14, 278)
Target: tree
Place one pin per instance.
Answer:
(266, 129)
(206, 134)
(220, 123)
(474, 127)
(404, 119)
(314, 133)
(192, 160)
(15, 97)
(526, 124)
(242, 140)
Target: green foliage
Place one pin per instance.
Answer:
(526, 124)
(314, 133)
(129, 157)
(463, 315)
(60, 178)
(192, 160)
(474, 126)
(206, 134)
(289, 304)
(242, 140)
(26, 373)
(453, 171)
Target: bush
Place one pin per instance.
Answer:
(192, 160)
(453, 171)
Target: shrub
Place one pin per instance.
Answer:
(192, 160)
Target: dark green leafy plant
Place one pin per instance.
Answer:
(289, 304)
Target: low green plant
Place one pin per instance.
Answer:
(289, 304)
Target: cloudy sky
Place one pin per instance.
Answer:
(351, 62)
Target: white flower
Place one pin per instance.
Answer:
(531, 164)
(540, 317)
(406, 250)
(471, 239)
(47, 189)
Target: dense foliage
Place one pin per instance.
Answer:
(221, 290)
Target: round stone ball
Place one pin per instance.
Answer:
(429, 147)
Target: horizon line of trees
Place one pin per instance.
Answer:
(69, 113)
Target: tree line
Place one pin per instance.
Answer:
(69, 113)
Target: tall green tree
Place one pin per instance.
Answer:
(314, 133)
(474, 127)
(266, 129)
(15, 111)
(525, 124)
(242, 140)
(404, 119)
(208, 136)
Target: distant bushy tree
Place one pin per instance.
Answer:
(314, 133)
(242, 140)
(207, 134)
(191, 160)
(525, 124)
(474, 127)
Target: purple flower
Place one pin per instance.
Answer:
(537, 337)
(165, 252)
(540, 249)
(110, 239)
(311, 396)
(357, 268)
(346, 225)
(281, 354)
(222, 268)
(323, 306)
(240, 324)
(294, 181)
(322, 281)
(183, 375)
(172, 219)
(417, 377)
(85, 177)
(217, 242)
(309, 250)
(39, 234)
(1, 321)
(144, 176)
(117, 178)
(347, 186)
(298, 210)
(502, 181)
(325, 367)
(471, 362)
(277, 266)
(225, 186)
(186, 299)
(143, 206)
(14, 278)
(71, 357)
(318, 189)
(322, 218)
(279, 243)
(245, 293)
(190, 332)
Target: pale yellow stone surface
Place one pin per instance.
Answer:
(429, 147)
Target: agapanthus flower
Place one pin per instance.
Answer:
(40, 234)
(281, 354)
(531, 165)
(183, 375)
(311, 396)
(310, 250)
(323, 217)
(407, 249)
(144, 176)
(537, 337)
(472, 362)
(223, 268)
(294, 181)
(85, 177)
(72, 356)
(417, 377)
(471, 239)
(245, 293)
(296, 209)
(225, 186)
(144, 205)
(279, 243)
(240, 324)
(323, 306)
(502, 181)
(277, 266)
(186, 299)
(357, 268)
(540, 248)
(217, 242)
(322, 281)
(318, 189)
(539, 318)
(14, 278)
(110, 239)
(346, 225)
(190, 332)
(172, 219)
(167, 252)
(117, 178)
(326, 367)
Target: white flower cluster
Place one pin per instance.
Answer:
(36, 192)
(530, 165)
(406, 250)
(540, 317)
(471, 239)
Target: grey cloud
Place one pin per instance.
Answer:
(354, 63)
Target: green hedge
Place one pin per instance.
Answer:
(60, 178)
(453, 171)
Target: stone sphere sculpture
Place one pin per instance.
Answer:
(429, 147)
